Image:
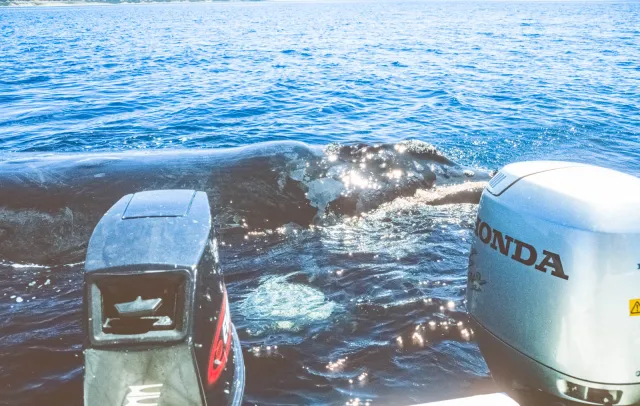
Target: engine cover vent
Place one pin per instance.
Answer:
(497, 179)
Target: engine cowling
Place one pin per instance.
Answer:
(157, 321)
(554, 281)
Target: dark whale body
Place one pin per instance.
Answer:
(49, 204)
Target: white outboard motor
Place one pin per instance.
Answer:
(554, 282)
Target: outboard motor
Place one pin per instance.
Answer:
(157, 323)
(554, 282)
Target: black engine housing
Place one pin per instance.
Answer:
(157, 322)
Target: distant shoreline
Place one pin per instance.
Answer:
(64, 3)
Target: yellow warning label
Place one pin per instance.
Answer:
(634, 307)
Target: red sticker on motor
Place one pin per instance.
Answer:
(221, 344)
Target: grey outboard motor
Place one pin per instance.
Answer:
(157, 323)
(554, 282)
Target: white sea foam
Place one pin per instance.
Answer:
(21, 266)
(278, 305)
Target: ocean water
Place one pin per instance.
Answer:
(486, 83)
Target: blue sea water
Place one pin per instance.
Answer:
(487, 83)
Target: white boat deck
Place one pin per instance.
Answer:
(494, 399)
